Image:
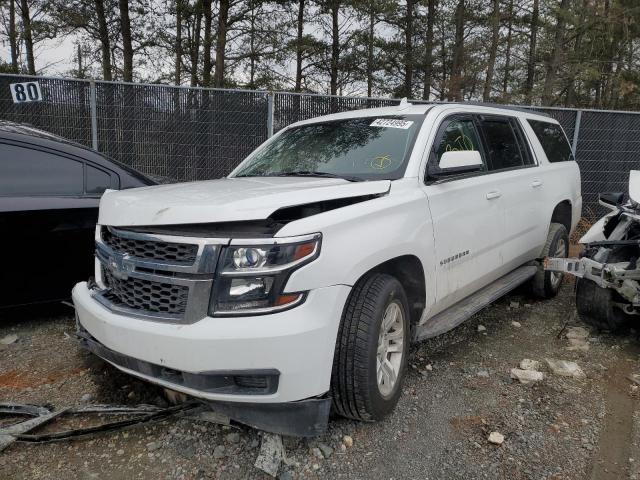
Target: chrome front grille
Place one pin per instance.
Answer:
(145, 295)
(156, 277)
(183, 253)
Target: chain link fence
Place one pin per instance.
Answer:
(188, 133)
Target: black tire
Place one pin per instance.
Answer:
(354, 384)
(595, 307)
(543, 283)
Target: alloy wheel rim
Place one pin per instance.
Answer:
(390, 349)
(561, 252)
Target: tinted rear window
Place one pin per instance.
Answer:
(553, 141)
(24, 171)
(502, 144)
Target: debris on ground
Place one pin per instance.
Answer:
(516, 324)
(528, 364)
(565, 368)
(496, 438)
(326, 450)
(18, 431)
(578, 338)
(9, 339)
(271, 454)
(513, 304)
(482, 328)
(347, 441)
(634, 378)
(526, 376)
(210, 416)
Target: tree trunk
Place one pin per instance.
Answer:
(443, 62)
(408, 50)
(507, 53)
(28, 37)
(221, 42)
(127, 47)
(455, 89)
(178, 45)
(13, 36)
(571, 98)
(556, 54)
(253, 57)
(531, 63)
(335, 46)
(428, 47)
(207, 43)
(195, 44)
(370, 45)
(491, 64)
(300, 26)
(105, 43)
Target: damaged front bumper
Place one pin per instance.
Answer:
(271, 372)
(304, 418)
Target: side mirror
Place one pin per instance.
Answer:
(611, 200)
(456, 163)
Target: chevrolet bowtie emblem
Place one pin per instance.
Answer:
(120, 266)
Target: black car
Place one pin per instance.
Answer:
(49, 194)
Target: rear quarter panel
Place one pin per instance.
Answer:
(561, 180)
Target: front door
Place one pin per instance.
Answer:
(468, 218)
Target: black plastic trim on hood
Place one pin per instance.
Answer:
(255, 228)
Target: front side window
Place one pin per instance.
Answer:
(366, 148)
(25, 171)
(553, 140)
(502, 145)
(458, 134)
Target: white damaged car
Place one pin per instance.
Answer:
(608, 277)
(296, 284)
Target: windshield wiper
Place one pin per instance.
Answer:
(313, 173)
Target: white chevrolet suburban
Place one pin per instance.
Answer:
(296, 284)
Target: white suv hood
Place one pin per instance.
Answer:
(224, 200)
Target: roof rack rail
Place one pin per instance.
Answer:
(532, 109)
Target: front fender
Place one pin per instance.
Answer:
(360, 237)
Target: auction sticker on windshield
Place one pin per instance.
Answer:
(391, 123)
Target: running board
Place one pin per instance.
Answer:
(469, 306)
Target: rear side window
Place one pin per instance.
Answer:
(503, 148)
(24, 171)
(97, 180)
(553, 140)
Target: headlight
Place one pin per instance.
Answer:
(253, 273)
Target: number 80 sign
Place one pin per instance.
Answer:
(26, 92)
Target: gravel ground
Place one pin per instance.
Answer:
(457, 392)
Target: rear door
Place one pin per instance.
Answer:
(512, 164)
(468, 217)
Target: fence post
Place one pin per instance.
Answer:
(270, 104)
(94, 115)
(576, 132)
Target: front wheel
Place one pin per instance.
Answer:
(371, 349)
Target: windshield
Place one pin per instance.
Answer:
(366, 148)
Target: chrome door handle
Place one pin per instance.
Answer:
(494, 194)
(536, 183)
